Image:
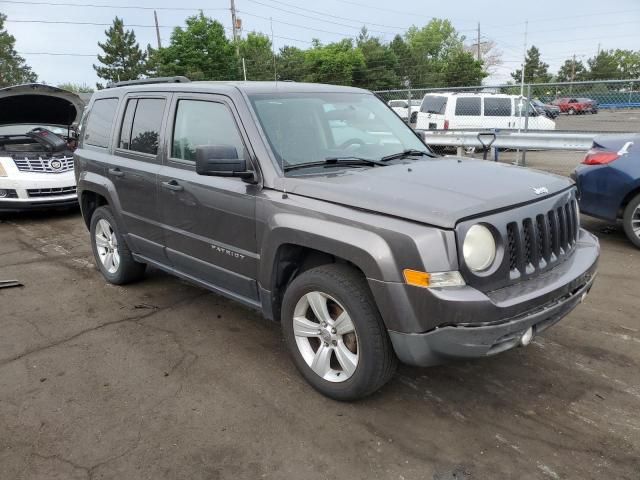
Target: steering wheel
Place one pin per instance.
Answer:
(351, 141)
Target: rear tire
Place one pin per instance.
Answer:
(112, 255)
(571, 111)
(347, 362)
(631, 220)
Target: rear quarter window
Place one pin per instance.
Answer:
(98, 128)
(468, 106)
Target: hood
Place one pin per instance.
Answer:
(439, 192)
(39, 104)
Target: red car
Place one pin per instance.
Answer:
(573, 106)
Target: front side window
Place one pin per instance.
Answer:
(98, 128)
(468, 106)
(200, 123)
(313, 127)
(141, 125)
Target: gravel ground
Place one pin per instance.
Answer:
(164, 380)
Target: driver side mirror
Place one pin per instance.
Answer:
(221, 161)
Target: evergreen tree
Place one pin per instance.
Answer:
(291, 64)
(381, 63)
(604, 66)
(535, 70)
(123, 59)
(13, 69)
(572, 71)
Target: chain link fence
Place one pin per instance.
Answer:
(599, 106)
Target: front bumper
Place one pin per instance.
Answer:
(469, 324)
(35, 190)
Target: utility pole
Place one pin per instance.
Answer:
(479, 55)
(234, 29)
(273, 51)
(524, 58)
(155, 16)
(573, 73)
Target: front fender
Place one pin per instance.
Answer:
(365, 249)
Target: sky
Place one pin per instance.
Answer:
(559, 28)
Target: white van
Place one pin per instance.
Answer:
(401, 107)
(457, 111)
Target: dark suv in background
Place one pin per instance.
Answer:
(319, 207)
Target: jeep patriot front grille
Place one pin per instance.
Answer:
(539, 242)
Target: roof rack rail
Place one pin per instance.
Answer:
(147, 81)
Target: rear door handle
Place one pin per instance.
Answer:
(172, 185)
(116, 172)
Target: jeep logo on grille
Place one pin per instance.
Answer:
(540, 190)
(55, 164)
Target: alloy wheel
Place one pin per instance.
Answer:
(325, 336)
(107, 246)
(635, 221)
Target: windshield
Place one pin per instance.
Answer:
(311, 127)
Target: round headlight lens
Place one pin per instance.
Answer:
(479, 248)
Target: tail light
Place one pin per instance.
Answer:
(446, 124)
(599, 157)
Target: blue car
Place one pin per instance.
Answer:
(609, 182)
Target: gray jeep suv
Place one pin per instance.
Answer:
(319, 207)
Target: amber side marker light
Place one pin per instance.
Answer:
(417, 278)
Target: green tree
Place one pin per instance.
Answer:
(379, 71)
(535, 70)
(628, 63)
(461, 69)
(291, 65)
(572, 71)
(76, 87)
(13, 68)
(403, 55)
(123, 59)
(258, 56)
(201, 51)
(604, 66)
(333, 63)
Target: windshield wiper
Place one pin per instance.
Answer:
(347, 161)
(406, 153)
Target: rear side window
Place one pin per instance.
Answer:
(434, 104)
(468, 106)
(497, 107)
(141, 125)
(98, 129)
(199, 123)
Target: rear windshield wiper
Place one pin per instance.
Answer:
(406, 153)
(347, 161)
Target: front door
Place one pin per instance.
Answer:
(209, 222)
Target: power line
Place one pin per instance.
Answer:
(361, 22)
(95, 5)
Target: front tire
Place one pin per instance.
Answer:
(631, 220)
(335, 334)
(112, 255)
(571, 111)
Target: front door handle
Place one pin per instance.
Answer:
(116, 172)
(172, 185)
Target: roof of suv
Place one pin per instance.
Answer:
(248, 87)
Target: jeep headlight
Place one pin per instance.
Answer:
(3, 172)
(479, 248)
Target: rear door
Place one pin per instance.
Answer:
(134, 169)
(208, 221)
